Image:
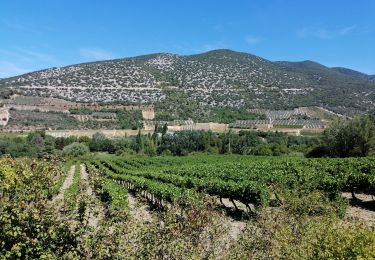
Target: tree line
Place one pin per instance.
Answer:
(342, 139)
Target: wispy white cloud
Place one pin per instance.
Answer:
(16, 60)
(96, 54)
(26, 27)
(324, 33)
(36, 55)
(250, 39)
(347, 30)
(8, 69)
(14, 55)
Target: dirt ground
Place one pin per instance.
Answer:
(58, 200)
(139, 211)
(363, 210)
(95, 211)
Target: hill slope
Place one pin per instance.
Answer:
(355, 74)
(216, 78)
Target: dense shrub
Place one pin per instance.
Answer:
(30, 228)
(100, 142)
(351, 138)
(183, 142)
(76, 149)
(306, 226)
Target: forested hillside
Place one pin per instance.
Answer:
(222, 78)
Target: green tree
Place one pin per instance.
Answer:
(139, 145)
(363, 129)
(75, 149)
(150, 147)
(338, 139)
(165, 129)
(351, 138)
(100, 142)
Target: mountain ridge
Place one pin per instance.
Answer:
(354, 73)
(339, 69)
(215, 78)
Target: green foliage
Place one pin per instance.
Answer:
(263, 150)
(162, 191)
(229, 115)
(61, 142)
(118, 195)
(177, 106)
(114, 196)
(307, 192)
(150, 148)
(303, 203)
(21, 119)
(80, 111)
(351, 138)
(270, 150)
(76, 149)
(248, 181)
(130, 119)
(125, 151)
(29, 227)
(183, 142)
(305, 227)
(198, 234)
(100, 142)
(36, 144)
(71, 193)
(262, 143)
(5, 92)
(65, 170)
(303, 222)
(228, 78)
(121, 119)
(165, 116)
(139, 143)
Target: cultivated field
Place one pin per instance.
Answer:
(213, 207)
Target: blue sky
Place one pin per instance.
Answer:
(39, 34)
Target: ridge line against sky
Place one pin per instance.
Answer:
(40, 34)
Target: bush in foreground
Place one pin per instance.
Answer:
(304, 227)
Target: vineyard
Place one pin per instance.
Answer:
(252, 182)
(199, 206)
